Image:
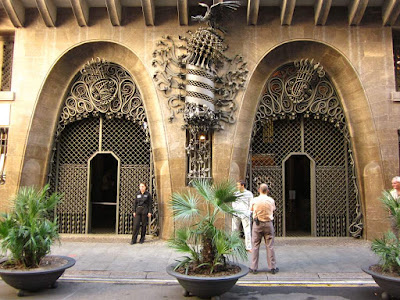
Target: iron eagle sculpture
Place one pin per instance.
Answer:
(215, 13)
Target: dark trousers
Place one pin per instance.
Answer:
(141, 217)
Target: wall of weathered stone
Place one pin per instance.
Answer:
(358, 59)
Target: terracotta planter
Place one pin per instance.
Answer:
(34, 280)
(391, 285)
(207, 287)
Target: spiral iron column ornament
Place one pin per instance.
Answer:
(198, 80)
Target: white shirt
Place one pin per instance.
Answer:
(394, 194)
(242, 203)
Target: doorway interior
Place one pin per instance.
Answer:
(298, 196)
(103, 194)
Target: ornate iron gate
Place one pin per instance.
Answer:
(102, 113)
(300, 112)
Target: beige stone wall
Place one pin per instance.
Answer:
(358, 59)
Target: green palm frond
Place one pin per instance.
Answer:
(182, 241)
(392, 204)
(238, 246)
(183, 263)
(388, 250)
(204, 188)
(222, 244)
(202, 240)
(184, 206)
(27, 231)
(224, 192)
(230, 244)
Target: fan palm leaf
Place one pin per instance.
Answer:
(391, 204)
(184, 206)
(202, 240)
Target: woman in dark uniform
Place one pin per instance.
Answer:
(141, 211)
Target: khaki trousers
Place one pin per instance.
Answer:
(266, 230)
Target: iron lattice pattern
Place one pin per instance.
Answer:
(300, 113)
(128, 140)
(131, 176)
(77, 143)
(71, 213)
(103, 112)
(273, 177)
(326, 145)
(270, 146)
(6, 70)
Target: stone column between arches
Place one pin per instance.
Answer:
(51, 98)
(357, 110)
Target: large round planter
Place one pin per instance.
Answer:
(34, 280)
(207, 287)
(391, 285)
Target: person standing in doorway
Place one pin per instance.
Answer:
(141, 212)
(242, 206)
(263, 208)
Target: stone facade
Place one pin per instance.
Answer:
(358, 59)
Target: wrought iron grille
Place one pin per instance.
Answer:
(103, 113)
(3, 153)
(198, 151)
(77, 143)
(396, 57)
(6, 70)
(309, 122)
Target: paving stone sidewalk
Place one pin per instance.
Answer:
(299, 259)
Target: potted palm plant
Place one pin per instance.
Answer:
(26, 235)
(210, 266)
(387, 273)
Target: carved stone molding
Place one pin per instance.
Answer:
(356, 11)
(114, 9)
(81, 12)
(253, 7)
(321, 10)
(15, 11)
(183, 12)
(148, 12)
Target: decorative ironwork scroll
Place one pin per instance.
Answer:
(102, 112)
(199, 154)
(194, 69)
(106, 88)
(300, 112)
(198, 80)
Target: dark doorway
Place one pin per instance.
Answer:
(103, 199)
(298, 196)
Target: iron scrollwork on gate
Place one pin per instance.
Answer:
(300, 112)
(102, 112)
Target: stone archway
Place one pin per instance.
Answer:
(37, 156)
(356, 109)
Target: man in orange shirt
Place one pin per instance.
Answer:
(263, 208)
